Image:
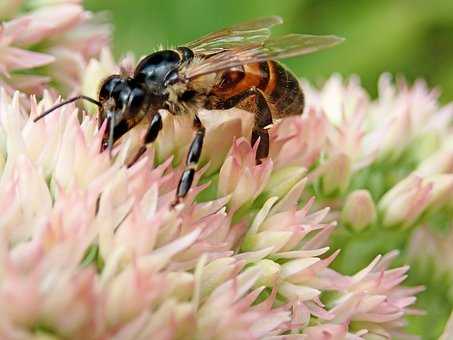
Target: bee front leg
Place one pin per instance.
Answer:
(193, 156)
(151, 134)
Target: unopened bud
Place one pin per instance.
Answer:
(95, 72)
(440, 162)
(336, 175)
(359, 210)
(442, 192)
(404, 203)
(266, 239)
(180, 285)
(217, 272)
(269, 273)
(283, 180)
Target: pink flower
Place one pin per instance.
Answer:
(436, 249)
(298, 141)
(239, 319)
(91, 248)
(65, 29)
(359, 210)
(240, 177)
(406, 201)
(346, 106)
(403, 113)
(374, 301)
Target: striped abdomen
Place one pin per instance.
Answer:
(281, 89)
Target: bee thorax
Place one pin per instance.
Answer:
(184, 100)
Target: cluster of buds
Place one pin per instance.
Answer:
(405, 131)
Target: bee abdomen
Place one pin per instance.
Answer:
(241, 78)
(283, 92)
(281, 89)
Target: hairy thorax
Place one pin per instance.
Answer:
(188, 98)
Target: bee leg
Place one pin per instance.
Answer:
(263, 118)
(193, 156)
(254, 101)
(151, 134)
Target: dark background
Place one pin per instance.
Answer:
(409, 37)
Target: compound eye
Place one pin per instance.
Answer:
(136, 100)
(110, 86)
(186, 53)
(171, 78)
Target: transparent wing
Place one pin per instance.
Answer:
(241, 34)
(290, 45)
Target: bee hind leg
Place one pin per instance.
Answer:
(253, 100)
(263, 118)
(151, 134)
(193, 156)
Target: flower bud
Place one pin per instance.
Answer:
(336, 174)
(179, 285)
(269, 273)
(440, 162)
(283, 180)
(402, 204)
(299, 292)
(129, 292)
(216, 273)
(265, 239)
(442, 191)
(240, 176)
(425, 146)
(359, 210)
(95, 73)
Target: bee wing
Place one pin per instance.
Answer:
(241, 34)
(290, 45)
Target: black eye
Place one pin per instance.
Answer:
(122, 98)
(136, 100)
(109, 87)
(186, 53)
(171, 78)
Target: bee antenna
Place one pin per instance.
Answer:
(71, 100)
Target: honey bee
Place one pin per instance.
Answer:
(234, 67)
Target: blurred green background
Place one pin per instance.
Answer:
(409, 37)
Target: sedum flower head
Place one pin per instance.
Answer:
(97, 251)
(397, 147)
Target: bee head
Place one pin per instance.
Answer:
(122, 100)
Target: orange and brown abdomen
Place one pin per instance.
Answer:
(281, 89)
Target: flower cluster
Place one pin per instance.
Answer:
(97, 251)
(404, 129)
(93, 249)
(43, 41)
